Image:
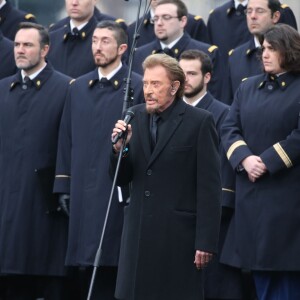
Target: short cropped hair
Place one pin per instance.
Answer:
(181, 7)
(43, 32)
(206, 63)
(119, 33)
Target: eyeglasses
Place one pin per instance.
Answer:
(163, 18)
(259, 11)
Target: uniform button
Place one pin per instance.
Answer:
(270, 87)
(35, 170)
(24, 87)
(147, 193)
(149, 172)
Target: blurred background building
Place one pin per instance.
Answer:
(49, 11)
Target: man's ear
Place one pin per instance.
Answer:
(45, 50)
(174, 87)
(207, 78)
(122, 48)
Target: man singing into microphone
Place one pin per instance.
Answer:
(171, 224)
(94, 103)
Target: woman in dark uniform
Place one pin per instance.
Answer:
(261, 136)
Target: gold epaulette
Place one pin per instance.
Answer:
(284, 6)
(29, 16)
(197, 18)
(212, 48)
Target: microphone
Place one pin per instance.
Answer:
(128, 117)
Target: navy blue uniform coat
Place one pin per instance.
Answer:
(32, 241)
(90, 113)
(248, 59)
(7, 66)
(174, 207)
(72, 55)
(264, 121)
(222, 282)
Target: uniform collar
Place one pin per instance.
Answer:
(111, 74)
(232, 8)
(271, 81)
(2, 4)
(252, 47)
(38, 81)
(206, 101)
(195, 103)
(115, 81)
(72, 25)
(171, 45)
(83, 32)
(237, 3)
(176, 49)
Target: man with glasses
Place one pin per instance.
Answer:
(195, 27)
(170, 20)
(261, 15)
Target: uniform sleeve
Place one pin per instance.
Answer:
(284, 154)
(63, 162)
(208, 187)
(232, 135)
(125, 169)
(287, 16)
(227, 173)
(215, 86)
(200, 32)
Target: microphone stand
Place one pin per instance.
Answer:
(99, 250)
(128, 102)
(128, 98)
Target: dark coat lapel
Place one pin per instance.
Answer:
(205, 102)
(167, 131)
(144, 132)
(165, 134)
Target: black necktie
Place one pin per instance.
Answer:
(75, 31)
(26, 82)
(153, 129)
(104, 80)
(240, 10)
(168, 51)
